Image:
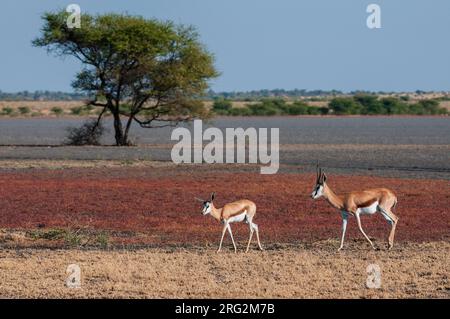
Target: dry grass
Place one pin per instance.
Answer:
(315, 271)
(445, 104)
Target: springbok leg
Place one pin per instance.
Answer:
(358, 219)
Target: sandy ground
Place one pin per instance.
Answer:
(298, 271)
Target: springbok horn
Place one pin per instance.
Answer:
(317, 171)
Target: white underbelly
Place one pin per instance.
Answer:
(238, 218)
(372, 209)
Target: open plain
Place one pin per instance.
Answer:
(128, 218)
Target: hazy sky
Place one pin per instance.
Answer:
(311, 44)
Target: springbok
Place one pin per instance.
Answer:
(370, 201)
(239, 211)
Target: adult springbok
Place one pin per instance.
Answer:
(357, 203)
(239, 211)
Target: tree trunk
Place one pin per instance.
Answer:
(127, 129)
(118, 128)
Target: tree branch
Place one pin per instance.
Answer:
(173, 122)
(99, 118)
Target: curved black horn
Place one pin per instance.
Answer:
(317, 171)
(321, 176)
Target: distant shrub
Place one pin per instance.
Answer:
(416, 109)
(443, 111)
(360, 103)
(107, 112)
(23, 110)
(315, 99)
(312, 110)
(368, 105)
(77, 110)
(344, 106)
(89, 107)
(324, 110)
(371, 105)
(262, 109)
(297, 108)
(393, 105)
(57, 110)
(240, 111)
(125, 108)
(427, 107)
(405, 98)
(88, 134)
(222, 106)
(7, 110)
(430, 106)
(268, 107)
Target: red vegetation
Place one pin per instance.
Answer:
(159, 207)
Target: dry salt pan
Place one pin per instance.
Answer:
(237, 141)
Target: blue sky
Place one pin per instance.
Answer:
(263, 44)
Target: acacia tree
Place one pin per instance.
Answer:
(145, 71)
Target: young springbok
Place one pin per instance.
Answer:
(240, 211)
(370, 201)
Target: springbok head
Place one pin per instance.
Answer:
(207, 204)
(320, 183)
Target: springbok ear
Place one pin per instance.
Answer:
(199, 199)
(324, 178)
(213, 195)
